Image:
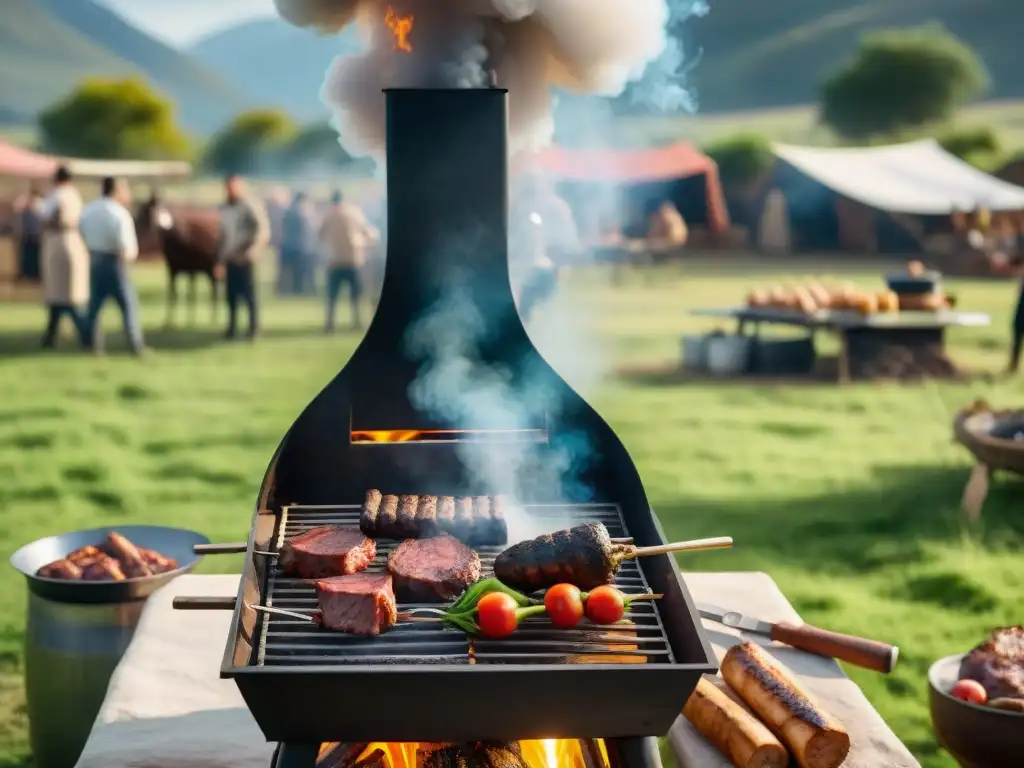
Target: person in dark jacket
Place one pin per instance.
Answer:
(30, 235)
(298, 244)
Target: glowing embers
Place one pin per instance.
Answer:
(379, 436)
(401, 27)
(544, 753)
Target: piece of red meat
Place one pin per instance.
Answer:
(433, 570)
(998, 663)
(359, 603)
(327, 551)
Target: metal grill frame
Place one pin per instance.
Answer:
(463, 702)
(292, 642)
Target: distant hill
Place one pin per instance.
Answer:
(47, 46)
(276, 63)
(759, 54)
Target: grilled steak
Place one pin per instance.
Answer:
(583, 555)
(438, 569)
(475, 520)
(360, 603)
(326, 551)
(998, 663)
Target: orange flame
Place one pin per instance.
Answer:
(546, 753)
(400, 27)
(444, 435)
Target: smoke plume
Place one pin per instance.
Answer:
(534, 46)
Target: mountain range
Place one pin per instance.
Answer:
(745, 55)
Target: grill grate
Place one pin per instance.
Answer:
(289, 642)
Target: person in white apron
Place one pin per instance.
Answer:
(64, 260)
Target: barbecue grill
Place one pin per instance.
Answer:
(447, 180)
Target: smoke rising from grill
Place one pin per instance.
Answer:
(454, 385)
(584, 46)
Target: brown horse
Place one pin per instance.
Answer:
(188, 239)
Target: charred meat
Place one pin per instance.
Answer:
(360, 604)
(114, 559)
(478, 754)
(438, 569)
(998, 663)
(473, 520)
(326, 551)
(583, 555)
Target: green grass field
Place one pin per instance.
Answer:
(847, 496)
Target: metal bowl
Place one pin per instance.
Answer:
(172, 542)
(977, 736)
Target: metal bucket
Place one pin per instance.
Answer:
(77, 632)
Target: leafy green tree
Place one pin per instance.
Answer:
(113, 119)
(250, 141)
(317, 145)
(900, 80)
(741, 159)
(979, 146)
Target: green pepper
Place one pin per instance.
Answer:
(472, 596)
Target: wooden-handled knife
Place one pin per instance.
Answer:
(870, 654)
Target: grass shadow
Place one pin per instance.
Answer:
(867, 529)
(24, 344)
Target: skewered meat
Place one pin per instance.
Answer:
(115, 559)
(438, 569)
(998, 663)
(583, 555)
(360, 603)
(478, 754)
(326, 551)
(474, 520)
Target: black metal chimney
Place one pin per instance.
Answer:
(447, 187)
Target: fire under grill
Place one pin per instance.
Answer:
(287, 642)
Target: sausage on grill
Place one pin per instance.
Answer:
(474, 520)
(583, 555)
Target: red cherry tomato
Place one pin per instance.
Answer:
(496, 614)
(564, 605)
(969, 690)
(605, 605)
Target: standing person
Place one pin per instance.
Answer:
(244, 233)
(346, 236)
(64, 259)
(276, 204)
(298, 244)
(30, 235)
(109, 233)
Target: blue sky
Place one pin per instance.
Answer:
(181, 22)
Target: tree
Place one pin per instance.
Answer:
(250, 141)
(741, 159)
(901, 80)
(113, 119)
(979, 146)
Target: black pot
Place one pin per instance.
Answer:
(906, 285)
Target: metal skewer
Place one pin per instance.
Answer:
(282, 612)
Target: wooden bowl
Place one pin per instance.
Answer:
(976, 736)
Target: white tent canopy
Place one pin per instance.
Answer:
(918, 178)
